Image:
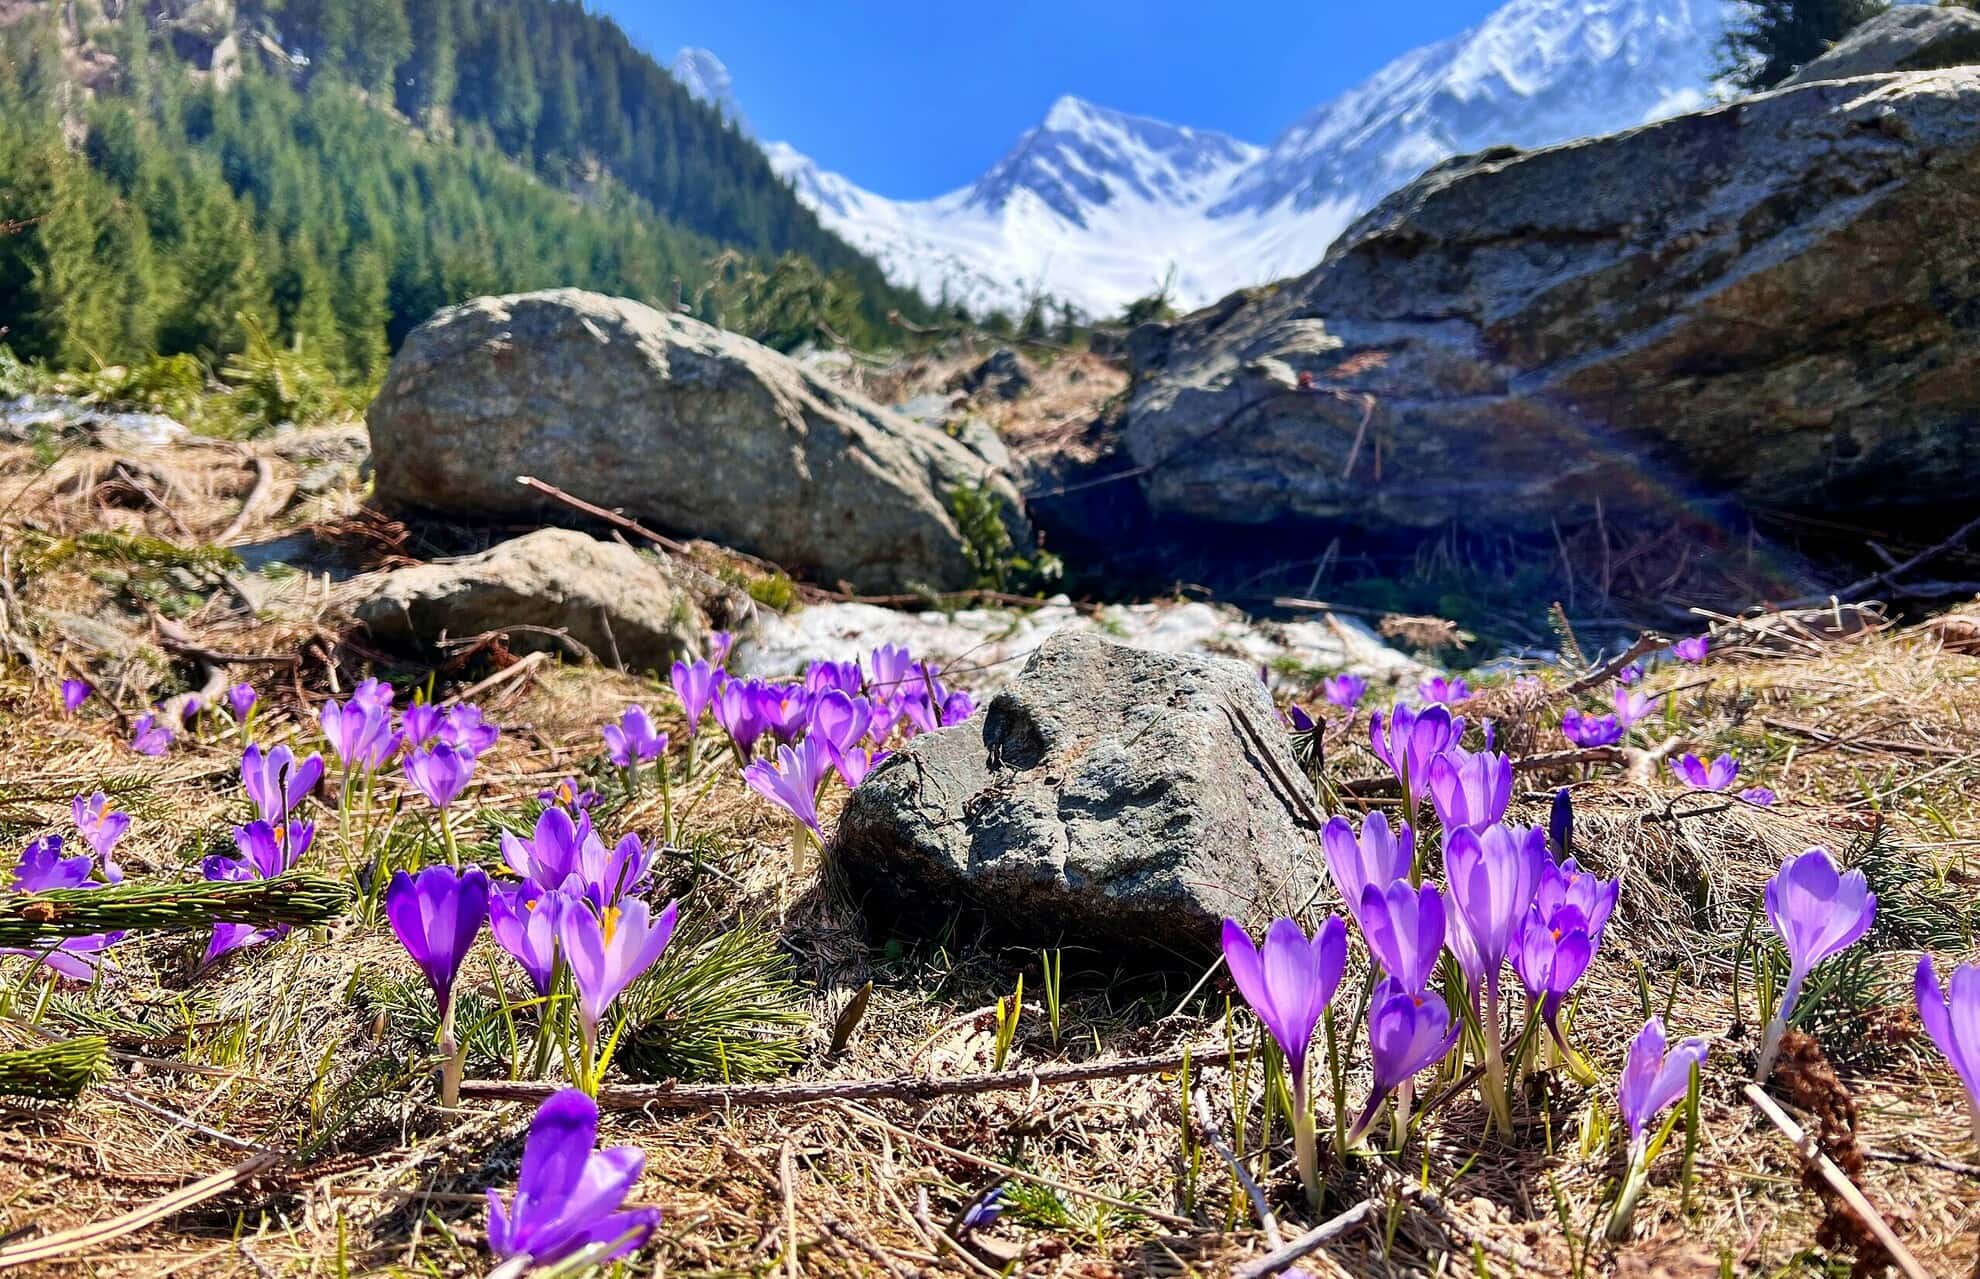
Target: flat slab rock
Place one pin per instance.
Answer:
(1109, 797)
(620, 604)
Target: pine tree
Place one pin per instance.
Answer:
(1772, 39)
(427, 81)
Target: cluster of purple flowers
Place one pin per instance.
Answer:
(839, 718)
(572, 915)
(45, 865)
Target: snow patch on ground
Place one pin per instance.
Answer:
(984, 648)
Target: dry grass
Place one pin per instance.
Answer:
(1865, 737)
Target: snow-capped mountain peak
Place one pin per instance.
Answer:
(1097, 206)
(1083, 156)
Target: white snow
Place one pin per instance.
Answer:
(984, 648)
(1096, 206)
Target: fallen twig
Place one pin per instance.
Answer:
(1838, 1181)
(893, 1088)
(1326, 1232)
(1648, 642)
(264, 476)
(522, 666)
(102, 1232)
(1268, 1221)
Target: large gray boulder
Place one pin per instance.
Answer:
(1108, 797)
(1776, 301)
(1904, 37)
(674, 422)
(620, 605)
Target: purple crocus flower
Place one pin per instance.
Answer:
(823, 677)
(1550, 952)
(276, 782)
(1632, 706)
(552, 856)
(782, 709)
(1568, 885)
(1344, 691)
(374, 693)
(523, 919)
(1818, 911)
(360, 732)
(1297, 718)
(1494, 874)
(40, 868)
(569, 1193)
(1444, 692)
(607, 950)
(1591, 730)
(569, 795)
(957, 707)
(1289, 984)
(189, 712)
(1653, 1079)
(74, 693)
(229, 936)
(1760, 796)
(792, 781)
(436, 915)
(1470, 789)
(240, 700)
(840, 720)
(1952, 1019)
(440, 772)
(632, 740)
(1693, 649)
(43, 867)
(853, 765)
(1404, 929)
(735, 711)
(1560, 824)
(720, 644)
(1697, 774)
(465, 729)
(694, 684)
(101, 827)
(265, 851)
(420, 724)
(149, 737)
(609, 874)
(1375, 858)
(1408, 739)
(1407, 1032)
(1630, 674)
(984, 1212)
(893, 666)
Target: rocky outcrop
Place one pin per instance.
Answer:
(1775, 301)
(1109, 797)
(1904, 37)
(676, 423)
(619, 605)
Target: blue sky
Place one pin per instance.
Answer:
(911, 98)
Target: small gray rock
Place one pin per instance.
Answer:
(609, 598)
(1004, 373)
(1904, 37)
(1108, 797)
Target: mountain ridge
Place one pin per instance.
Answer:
(1096, 206)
